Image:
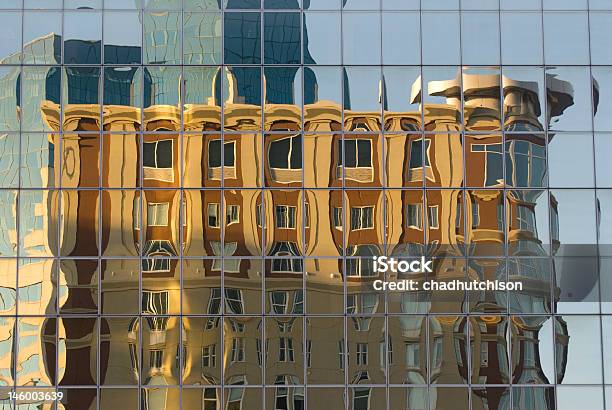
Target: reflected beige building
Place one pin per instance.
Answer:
(223, 202)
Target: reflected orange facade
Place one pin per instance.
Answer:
(207, 222)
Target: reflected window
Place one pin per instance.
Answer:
(278, 300)
(475, 214)
(362, 354)
(357, 153)
(237, 352)
(209, 398)
(233, 301)
(286, 153)
(209, 356)
(338, 216)
(30, 293)
(227, 249)
(298, 302)
(413, 354)
(432, 217)
(260, 216)
(155, 302)
(525, 164)
(214, 153)
(285, 216)
(525, 218)
(234, 399)
(214, 303)
(554, 224)
(341, 354)
(285, 350)
(416, 153)
(494, 172)
(157, 214)
(213, 215)
(231, 214)
(286, 265)
(157, 252)
(157, 154)
(361, 265)
(361, 398)
(414, 216)
(362, 218)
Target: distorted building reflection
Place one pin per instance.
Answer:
(175, 198)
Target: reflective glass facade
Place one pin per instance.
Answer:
(192, 191)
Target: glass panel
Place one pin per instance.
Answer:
(602, 107)
(572, 88)
(11, 37)
(440, 42)
(563, 31)
(600, 31)
(571, 160)
(321, 34)
(521, 35)
(582, 351)
(603, 168)
(42, 37)
(361, 38)
(282, 38)
(122, 38)
(242, 41)
(480, 38)
(202, 38)
(401, 38)
(162, 37)
(82, 37)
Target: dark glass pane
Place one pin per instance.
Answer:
(296, 153)
(416, 154)
(242, 38)
(350, 153)
(364, 153)
(228, 154)
(214, 153)
(83, 85)
(164, 154)
(148, 154)
(243, 4)
(279, 153)
(282, 38)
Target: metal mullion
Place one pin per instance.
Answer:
(597, 215)
(141, 191)
(17, 317)
(221, 320)
(345, 212)
(262, 139)
(182, 208)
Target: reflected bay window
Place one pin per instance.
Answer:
(525, 164)
(157, 154)
(214, 153)
(285, 216)
(414, 216)
(357, 153)
(286, 153)
(362, 217)
(417, 160)
(494, 171)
